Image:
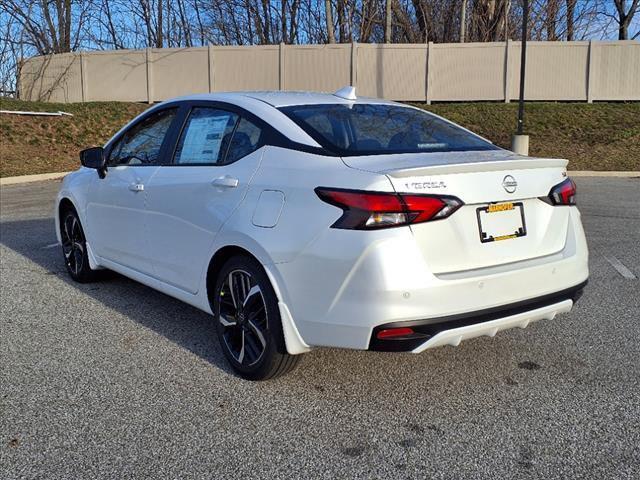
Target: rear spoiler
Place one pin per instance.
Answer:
(485, 166)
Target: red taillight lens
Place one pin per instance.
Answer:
(424, 208)
(563, 194)
(371, 201)
(372, 210)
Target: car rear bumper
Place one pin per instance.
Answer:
(340, 291)
(451, 330)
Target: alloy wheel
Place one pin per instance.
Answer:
(73, 244)
(243, 316)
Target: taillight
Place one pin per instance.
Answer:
(365, 210)
(562, 194)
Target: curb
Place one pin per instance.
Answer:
(596, 173)
(31, 178)
(54, 176)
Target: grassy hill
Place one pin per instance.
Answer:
(600, 136)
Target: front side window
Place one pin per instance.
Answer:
(371, 129)
(142, 143)
(206, 137)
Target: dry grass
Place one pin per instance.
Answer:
(31, 144)
(600, 136)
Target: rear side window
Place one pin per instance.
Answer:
(245, 140)
(205, 137)
(370, 129)
(141, 144)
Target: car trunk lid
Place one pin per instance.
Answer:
(477, 235)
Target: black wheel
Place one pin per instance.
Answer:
(248, 321)
(74, 248)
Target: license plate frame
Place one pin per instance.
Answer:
(497, 208)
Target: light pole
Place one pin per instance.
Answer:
(520, 141)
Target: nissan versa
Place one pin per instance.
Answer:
(304, 220)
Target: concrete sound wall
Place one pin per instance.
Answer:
(556, 71)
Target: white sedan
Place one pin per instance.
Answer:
(302, 220)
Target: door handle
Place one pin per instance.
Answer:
(226, 182)
(136, 187)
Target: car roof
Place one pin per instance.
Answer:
(265, 104)
(282, 98)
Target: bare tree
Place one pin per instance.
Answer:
(463, 19)
(488, 19)
(47, 25)
(10, 54)
(331, 37)
(159, 25)
(625, 16)
(571, 11)
(423, 18)
(387, 21)
(551, 20)
(106, 19)
(341, 16)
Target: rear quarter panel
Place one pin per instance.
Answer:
(303, 216)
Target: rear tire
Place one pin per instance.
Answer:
(248, 323)
(74, 248)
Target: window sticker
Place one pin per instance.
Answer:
(203, 139)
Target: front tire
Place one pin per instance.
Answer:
(248, 321)
(74, 248)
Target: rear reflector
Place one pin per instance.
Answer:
(363, 210)
(394, 333)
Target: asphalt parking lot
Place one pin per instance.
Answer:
(115, 380)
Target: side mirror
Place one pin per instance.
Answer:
(94, 158)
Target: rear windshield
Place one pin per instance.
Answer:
(371, 129)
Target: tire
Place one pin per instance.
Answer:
(74, 248)
(248, 323)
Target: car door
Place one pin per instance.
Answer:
(189, 199)
(116, 203)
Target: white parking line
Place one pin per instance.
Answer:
(620, 267)
(51, 246)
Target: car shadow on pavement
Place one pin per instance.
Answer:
(193, 330)
(180, 323)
